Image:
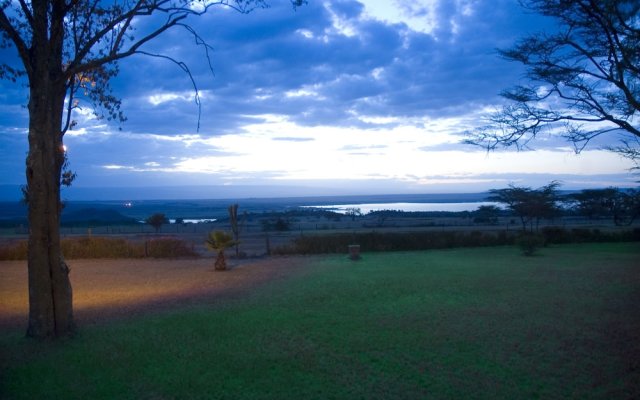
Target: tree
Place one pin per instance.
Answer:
(353, 212)
(487, 215)
(593, 203)
(529, 205)
(157, 220)
(584, 79)
(236, 226)
(219, 241)
(623, 206)
(68, 51)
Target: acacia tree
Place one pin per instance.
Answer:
(68, 51)
(623, 206)
(583, 80)
(156, 221)
(530, 205)
(353, 212)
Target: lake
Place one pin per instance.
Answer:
(408, 207)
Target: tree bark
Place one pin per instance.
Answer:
(50, 294)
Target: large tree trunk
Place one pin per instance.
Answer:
(50, 294)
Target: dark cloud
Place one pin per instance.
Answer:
(380, 69)
(324, 64)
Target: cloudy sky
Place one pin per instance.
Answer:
(336, 97)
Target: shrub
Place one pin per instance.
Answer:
(219, 241)
(530, 244)
(104, 247)
(168, 248)
(374, 241)
(99, 247)
(279, 224)
(15, 250)
(557, 235)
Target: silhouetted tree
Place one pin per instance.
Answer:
(157, 220)
(583, 78)
(486, 215)
(528, 204)
(623, 206)
(69, 50)
(353, 212)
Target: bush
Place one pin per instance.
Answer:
(556, 234)
(103, 247)
(168, 248)
(530, 244)
(15, 250)
(406, 241)
(99, 247)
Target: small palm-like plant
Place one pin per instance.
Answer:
(219, 241)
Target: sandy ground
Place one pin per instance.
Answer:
(112, 289)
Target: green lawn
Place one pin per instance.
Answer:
(456, 324)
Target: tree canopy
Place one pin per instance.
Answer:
(156, 221)
(583, 80)
(530, 205)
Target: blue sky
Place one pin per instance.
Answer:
(336, 97)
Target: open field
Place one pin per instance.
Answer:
(465, 323)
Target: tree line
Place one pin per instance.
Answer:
(531, 206)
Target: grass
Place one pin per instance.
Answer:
(465, 323)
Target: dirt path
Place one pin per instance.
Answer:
(112, 289)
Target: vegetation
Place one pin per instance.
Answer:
(472, 323)
(533, 205)
(529, 205)
(487, 215)
(353, 212)
(622, 206)
(530, 243)
(105, 247)
(428, 240)
(280, 224)
(236, 226)
(157, 220)
(378, 241)
(219, 241)
(583, 78)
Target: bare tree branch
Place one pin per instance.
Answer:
(584, 79)
(184, 67)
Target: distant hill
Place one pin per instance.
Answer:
(15, 214)
(96, 216)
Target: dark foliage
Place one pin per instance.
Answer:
(374, 241)
(411, 241)
(103, 247)
(530, 243)
(279, 224)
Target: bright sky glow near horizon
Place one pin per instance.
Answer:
(336, 97)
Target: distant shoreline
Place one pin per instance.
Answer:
(217, 208)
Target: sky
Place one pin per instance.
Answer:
(335, 97)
